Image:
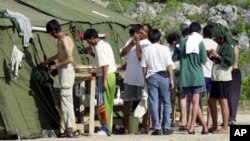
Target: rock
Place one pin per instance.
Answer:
(243, 40)
(227, 13)
(173, 19)
(185, 24)
(101, 3)
(190, 9)
(151, 10)
(219, 20)
(246, 17)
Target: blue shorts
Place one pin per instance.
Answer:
(208, 84)
(194, 90)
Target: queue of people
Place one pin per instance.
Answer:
(193, 64)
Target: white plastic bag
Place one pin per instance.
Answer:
(142, 107)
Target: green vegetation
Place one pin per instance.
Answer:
(245, 90)
(245, 83)
(241, 24)
(200, 18)
(121, 6)
(127, 3)
(240, 3)
(244, 59)
(248, 31)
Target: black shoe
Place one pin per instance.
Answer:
(167, 131)
(156, 132)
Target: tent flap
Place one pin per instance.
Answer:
(26, 110)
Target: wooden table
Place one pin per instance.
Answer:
(79, 77)
(87, 73)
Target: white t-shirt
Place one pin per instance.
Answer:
(220, 73)
(156, 57)
(104, 56)
(207, 68)
(134, 73)
(176, 64)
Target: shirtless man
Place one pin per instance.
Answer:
(66, 75)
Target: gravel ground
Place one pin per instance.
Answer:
(242, 118)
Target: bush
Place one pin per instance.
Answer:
(245, 90)
(200, 18)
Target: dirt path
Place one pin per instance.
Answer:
(177, 136)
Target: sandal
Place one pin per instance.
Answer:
(142, 131)
(211, 130)
(203, 132)
(61, 135)
(232, 122)
(121, 131)
(183, 128)
(191, 132)
(72, 134)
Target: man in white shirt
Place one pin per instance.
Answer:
(134, 79)
(157, 68)
(106, 80)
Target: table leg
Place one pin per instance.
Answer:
(92, 106)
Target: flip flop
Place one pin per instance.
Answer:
(211, 130)
(183, 128)
(191, 132)
(203, 132)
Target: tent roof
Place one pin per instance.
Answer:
(37, 18)
(65, 10)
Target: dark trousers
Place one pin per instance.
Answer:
(234, 94)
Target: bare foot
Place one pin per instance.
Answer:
(181, 123)
(221, 131)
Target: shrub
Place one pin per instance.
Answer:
(245, 90)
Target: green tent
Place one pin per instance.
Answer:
(26, 110)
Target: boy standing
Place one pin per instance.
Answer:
(106, 80)
(157, 68)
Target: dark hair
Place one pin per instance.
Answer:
(185, 32)
(90, 33)
(134, 29)
(148, 26)
(195, 27)
(53, 25)
(207, 31)
(173, 37)
(154, 35)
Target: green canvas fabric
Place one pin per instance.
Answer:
(78, 10)
(22, 111)
(24, 108)
(36, 17)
